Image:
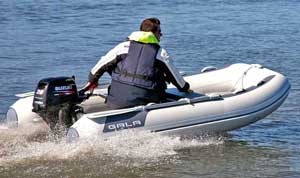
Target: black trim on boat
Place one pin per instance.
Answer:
(183, 101)
(205, 122)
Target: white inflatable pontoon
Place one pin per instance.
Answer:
(222, 100)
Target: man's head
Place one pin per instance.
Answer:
(151, 25)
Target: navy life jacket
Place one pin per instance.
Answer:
(139, 69)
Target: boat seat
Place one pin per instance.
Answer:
(173, 94)
(94, 104)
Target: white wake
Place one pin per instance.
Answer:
(22, 145)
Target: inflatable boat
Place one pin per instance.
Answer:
(222, 100)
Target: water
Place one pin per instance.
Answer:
(55, 38)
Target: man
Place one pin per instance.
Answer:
(139, 69)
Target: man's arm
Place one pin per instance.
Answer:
(172, 74)
(108, 62)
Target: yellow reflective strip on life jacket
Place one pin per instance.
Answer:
(143, 37)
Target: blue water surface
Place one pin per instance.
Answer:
(44, 38)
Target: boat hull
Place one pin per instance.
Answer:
(217, 113)
(223, 100)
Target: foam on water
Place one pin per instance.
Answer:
(17, 146)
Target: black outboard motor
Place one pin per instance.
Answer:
(54, 98)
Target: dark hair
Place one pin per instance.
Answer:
(150, 25)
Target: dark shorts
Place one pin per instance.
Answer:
(123, 96)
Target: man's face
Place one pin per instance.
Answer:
(158, 33)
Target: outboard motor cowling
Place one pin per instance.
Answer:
(54, 92)
(54, 95)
